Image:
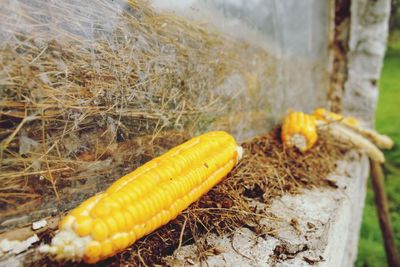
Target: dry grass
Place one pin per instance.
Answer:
(78, 79)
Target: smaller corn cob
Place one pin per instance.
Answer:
(380, 140)
(299, 130)
(149, 197)
(344, 133)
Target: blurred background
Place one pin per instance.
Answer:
(371, 252)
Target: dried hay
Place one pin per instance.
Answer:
(78, 79)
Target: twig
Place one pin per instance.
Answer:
(181, 234)
(4, 144)
(382, 206)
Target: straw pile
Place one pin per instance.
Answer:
(90, 90)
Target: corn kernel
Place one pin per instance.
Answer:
(107, 249)
(120, 241)
(100, 230)
(83, 225)
(93, 250)
(111, 224)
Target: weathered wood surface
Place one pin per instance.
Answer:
(320, 226)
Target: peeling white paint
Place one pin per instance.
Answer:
(39, 224)
(16, 246)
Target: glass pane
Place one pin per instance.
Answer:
(92, 89)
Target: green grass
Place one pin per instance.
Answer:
(371, 251)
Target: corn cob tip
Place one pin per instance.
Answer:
(385, 142)
(68, 244)
(299, 141)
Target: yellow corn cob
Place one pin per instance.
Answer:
(299, 130)
(327, 116)
(145, 199)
